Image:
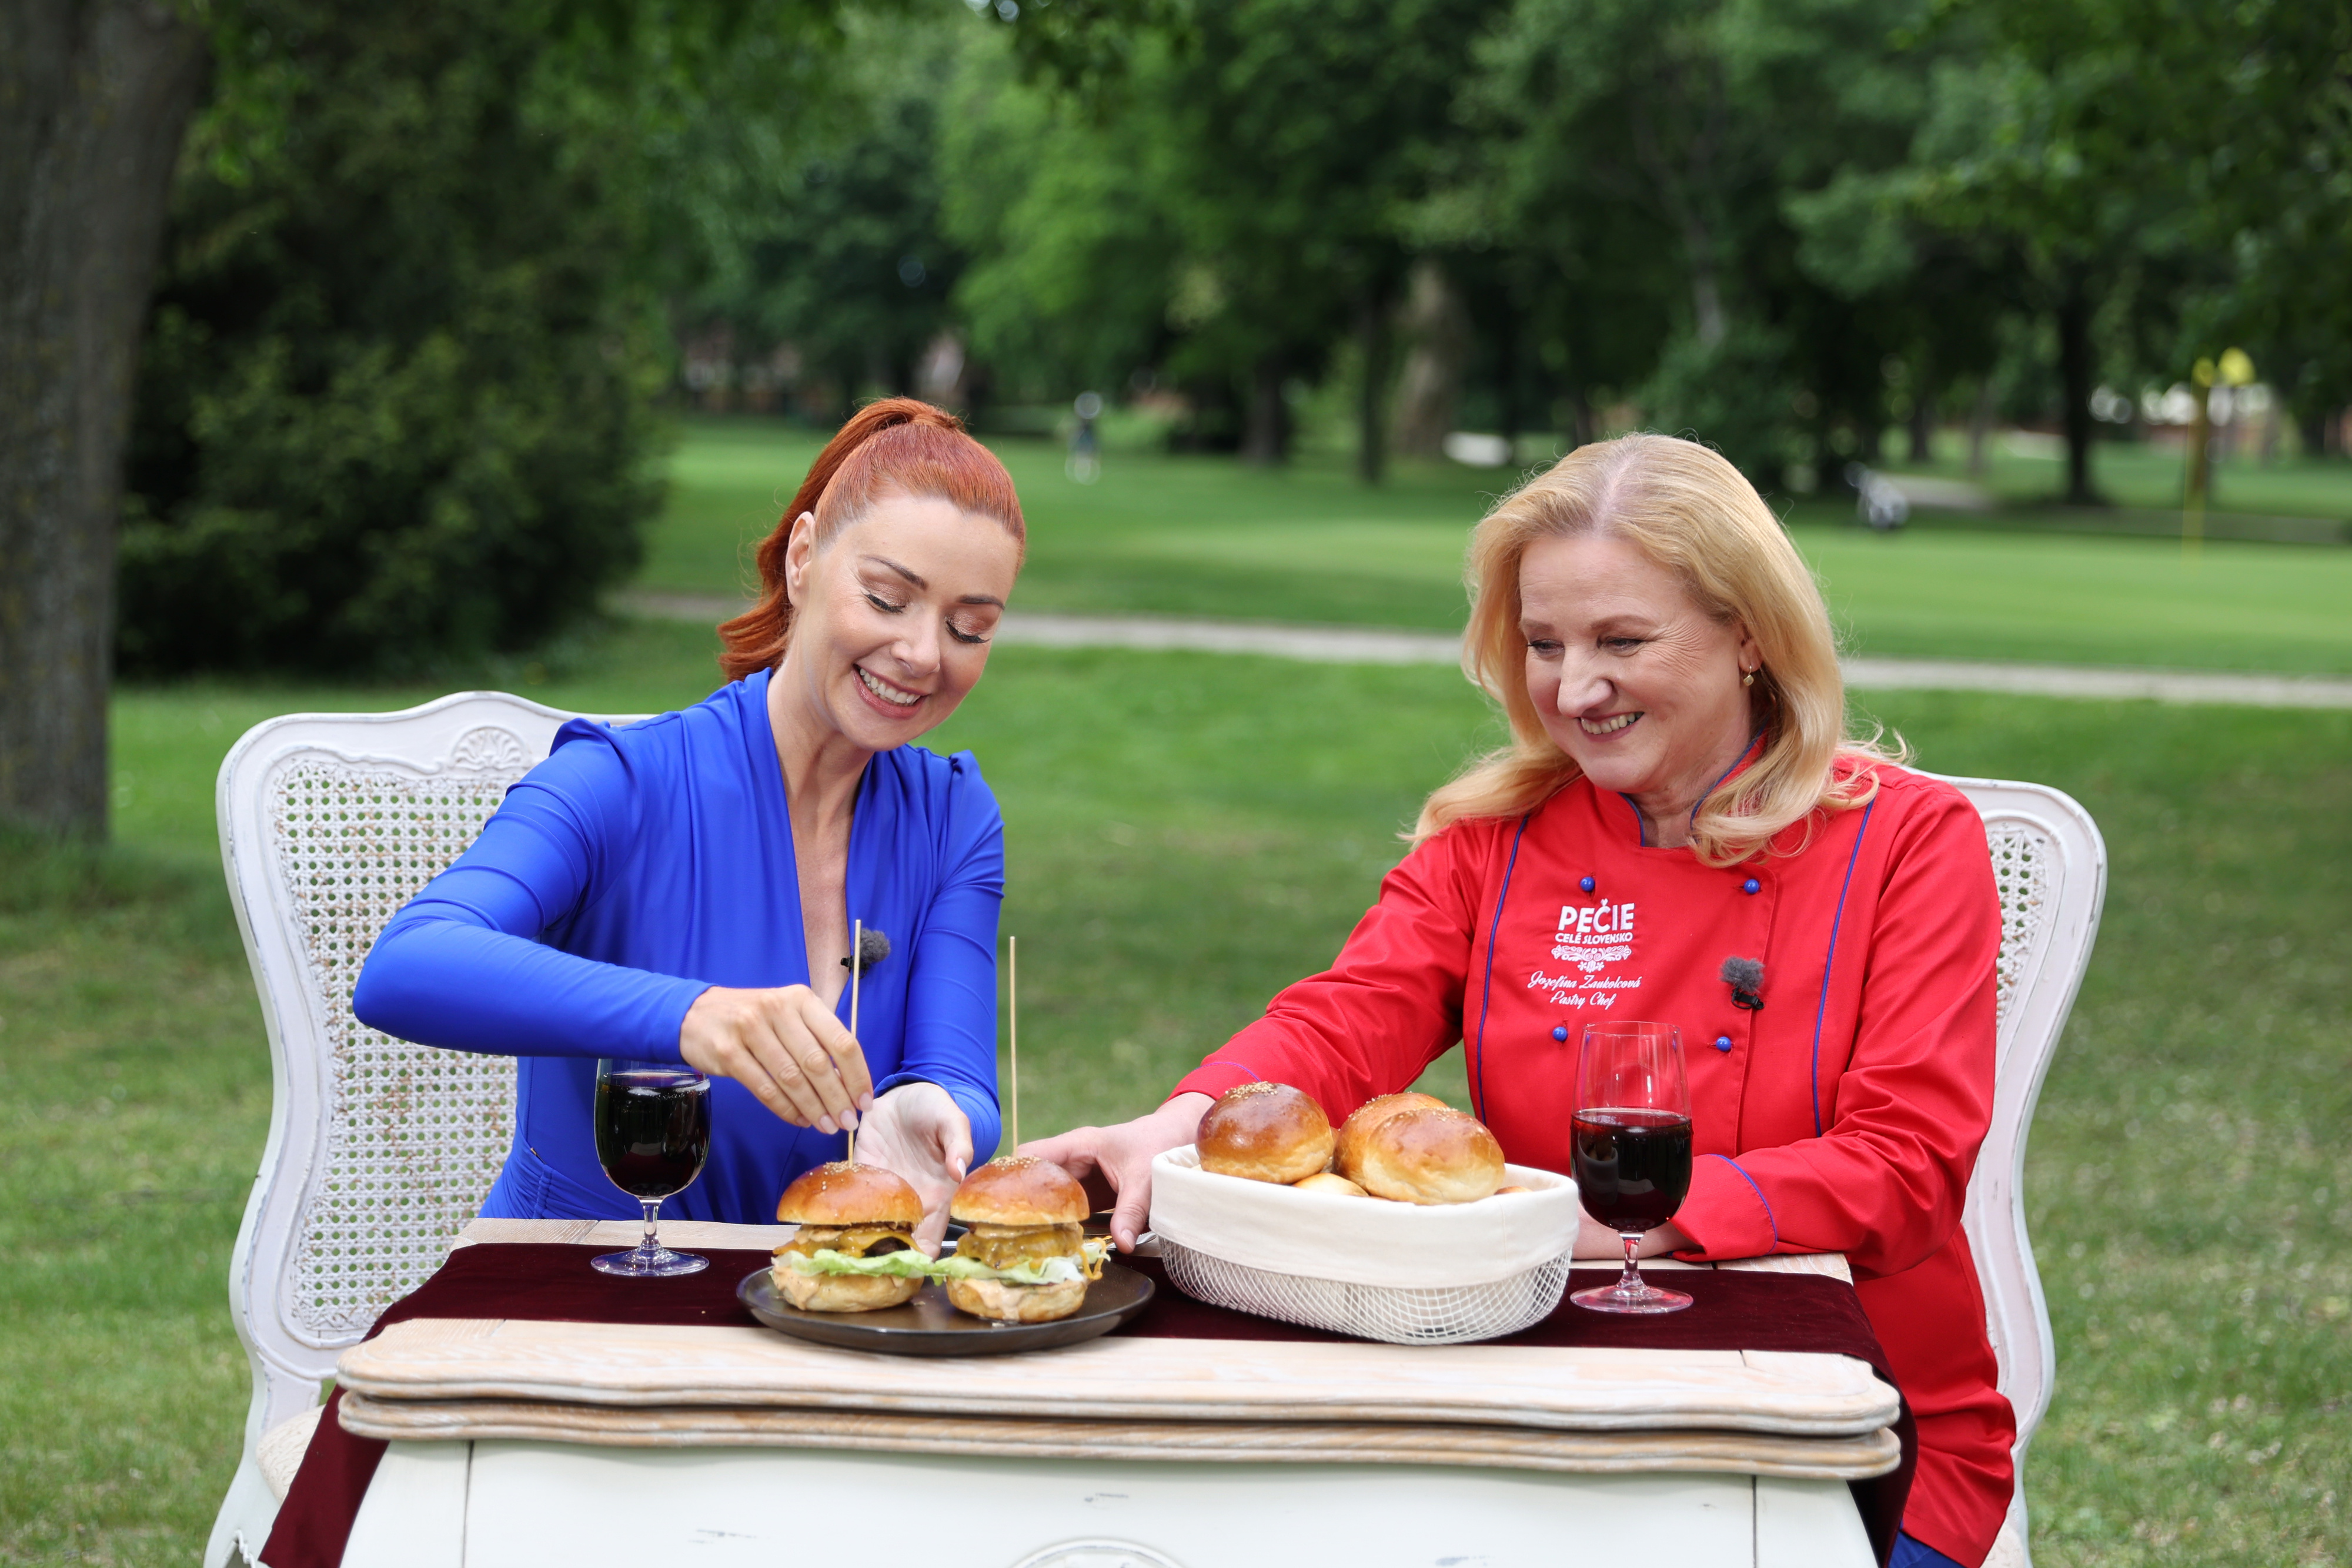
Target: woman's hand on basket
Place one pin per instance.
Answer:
(786, 1046)
(1115, 1163)
(918, 1131)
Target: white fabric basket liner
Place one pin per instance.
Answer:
(1364, 1240)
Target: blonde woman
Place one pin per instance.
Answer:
(1680, 791)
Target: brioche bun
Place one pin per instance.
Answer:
(1264, 1132)
(1431, 1156)
(841, 1292)
(1012, 1304)
(1019, 1191)
(842, 1193)
(1350, 1151)
(1329, 1182)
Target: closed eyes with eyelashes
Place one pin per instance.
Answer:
(887, 607)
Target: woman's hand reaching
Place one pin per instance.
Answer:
(918, 1131)
(786, 1046)
(1116, 1162)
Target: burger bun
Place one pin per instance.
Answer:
(1012, 1304)
(842, 1193)
(1019, 1191)
(1264, 1132)
(1431, 1156)
(1349, 1154)
(841, 1292)
(1329, 1182)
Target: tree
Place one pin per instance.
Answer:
(1655, 158)
(1275, 146)
(842, 250)
(395, 407)
(1071, 274)
(94, 97)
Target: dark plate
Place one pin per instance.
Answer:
(929, 1326)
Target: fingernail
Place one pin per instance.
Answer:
(849, 1119)
(825, 1124)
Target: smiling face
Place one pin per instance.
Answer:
(891, 619)
(1631, 676)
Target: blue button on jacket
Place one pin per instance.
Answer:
(637, 866)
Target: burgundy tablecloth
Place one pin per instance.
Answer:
(545, 1283)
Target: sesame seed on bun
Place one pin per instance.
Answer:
(1264, 1132)
(842, 1193)
(1019, 1191)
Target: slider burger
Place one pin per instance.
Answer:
(856, 1249)
(1264, 1132)
(1026, 1258)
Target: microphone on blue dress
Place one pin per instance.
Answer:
(1746, 978)
(873, 946)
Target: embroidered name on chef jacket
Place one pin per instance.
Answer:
(1591, 936)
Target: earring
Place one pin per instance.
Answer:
(1748, 679)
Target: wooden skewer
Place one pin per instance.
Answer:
(1013, 1011)
(857, 971)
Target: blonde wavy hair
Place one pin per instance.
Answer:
(1692, 513)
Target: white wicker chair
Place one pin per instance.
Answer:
(379, 1150)
(2052, 868)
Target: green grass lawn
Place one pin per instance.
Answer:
(1178, 849)
(1200, 535)
(2148, 475)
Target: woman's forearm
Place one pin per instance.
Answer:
(445, 982)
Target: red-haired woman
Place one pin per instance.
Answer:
(683, 889)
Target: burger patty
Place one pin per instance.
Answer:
(1010, 1246)
(850, 1241)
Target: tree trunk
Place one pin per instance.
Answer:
(94, 95)
(1429, 387)
(1981, 426)
(1265, 436)
(1584, 420)
(1371, 393)
(2075, 384)
(2311, 432)
(1923, 427)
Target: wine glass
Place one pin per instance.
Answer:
(1633, 1148)
(652, 1133)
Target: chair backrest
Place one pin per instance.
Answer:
(2050, 866)
(379, 1150)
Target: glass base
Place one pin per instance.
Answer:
(648, 1264)
(1642, 1299)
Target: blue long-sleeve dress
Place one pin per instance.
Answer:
(639, 865)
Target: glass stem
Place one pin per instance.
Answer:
(652, 1207)
(1630, 1282)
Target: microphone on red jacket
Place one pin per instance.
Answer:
(1746, 978)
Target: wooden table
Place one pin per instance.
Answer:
(524, 1443)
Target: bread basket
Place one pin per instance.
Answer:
(1447, 1274)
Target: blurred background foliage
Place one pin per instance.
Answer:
(432, 273)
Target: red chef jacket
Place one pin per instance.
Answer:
(1842, 1116)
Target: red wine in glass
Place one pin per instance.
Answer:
(1632, 1168)
(652, 1133)
(1631, 1148)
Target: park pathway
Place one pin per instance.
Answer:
(1375, 645)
